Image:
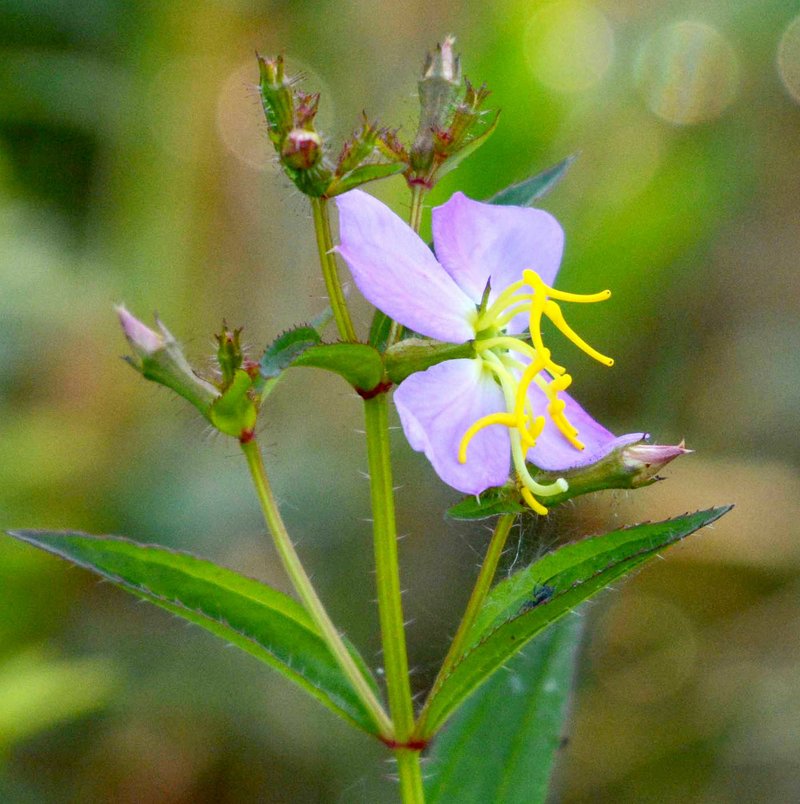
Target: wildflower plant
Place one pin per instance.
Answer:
(457, 342)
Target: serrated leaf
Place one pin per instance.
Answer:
(281, 353)
(502, 743)
(359, 363)
(362, 175)
(489, 503)
(452, 162)
(526, 192)
(263, 622)
(529, 601)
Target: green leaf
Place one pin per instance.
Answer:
(359, 363)
(526, 192)
(529, 601)
(502, 744)
(417, 354)
(250, 615)
(361, 175)
(234, 412)
(452, 162)
(489, 503)
(285, 349)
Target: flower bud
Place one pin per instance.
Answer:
(277, 97)
(301, 149)
(159, 358)
(229, 353)
(645, 461)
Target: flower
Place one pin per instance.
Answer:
(490, 282)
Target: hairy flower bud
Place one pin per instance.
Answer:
(301, 149)
(159, 358)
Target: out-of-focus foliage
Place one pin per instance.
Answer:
(135, 167)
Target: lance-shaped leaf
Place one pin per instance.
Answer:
(526, 192)
(531, 600)
(502, 743)
(359, 363)
(250, 615)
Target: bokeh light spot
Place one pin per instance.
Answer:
(570, 45)
(789, 58)
(687, 73)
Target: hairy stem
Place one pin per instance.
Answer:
(307, 593)
(390, 607)
(476, 600)
(330, 272)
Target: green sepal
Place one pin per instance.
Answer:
(229, 353)
(455, 159)
(523, 605)
(250, 615)
(417, 354)
(526, 192)
(362, 175)
(235, 413)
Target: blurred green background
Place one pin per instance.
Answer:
(134, 167)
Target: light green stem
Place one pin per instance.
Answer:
(476, 600)
(330, 273)
(414, 221)
(306, 591)
(390, 607)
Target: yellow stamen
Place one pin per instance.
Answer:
(517, 364)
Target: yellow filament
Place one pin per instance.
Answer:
(553, 312)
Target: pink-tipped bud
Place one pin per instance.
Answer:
(301, 149)
(645, 461)
(143, 340)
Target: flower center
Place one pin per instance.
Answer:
(518, 362)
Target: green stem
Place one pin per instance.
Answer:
(390, 607)
(414, 221)
(306, 591)
(476, 600)
(330, 273)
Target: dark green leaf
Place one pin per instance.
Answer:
(502, 743)
(526, 192)
(529, 601)
(250, 615)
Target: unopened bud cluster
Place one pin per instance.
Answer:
(291, 122)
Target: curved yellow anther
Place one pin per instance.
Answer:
(553, 312)
(508, 419)
(532, 501)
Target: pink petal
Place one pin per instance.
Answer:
(397, 272)
(437, 407)
(476, 242)
(553, 453)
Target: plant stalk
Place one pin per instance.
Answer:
(390, 607)
(476, 600)
(330, 272)
(305, 590)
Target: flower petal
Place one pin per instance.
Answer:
(553, 453)
(438, 405)
(476, 242)
(397, 272)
